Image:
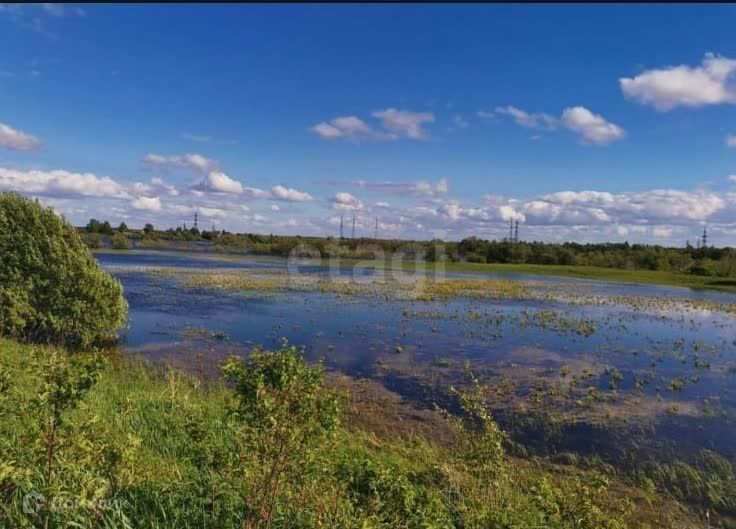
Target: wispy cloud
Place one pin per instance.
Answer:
(593, 128)
(394, 124)
(196, 138)
(538, 120)
(17, 140)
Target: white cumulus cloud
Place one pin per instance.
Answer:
(347, 127)
(710, 83)
(592, 127)
(17, 140)
(345, 201)
(60, 183)
(404, 123)
(147, 203)
(219, 182)
(280, 192)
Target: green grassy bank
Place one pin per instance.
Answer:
(647, 277)
(115, 442)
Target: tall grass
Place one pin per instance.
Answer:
(144, 446)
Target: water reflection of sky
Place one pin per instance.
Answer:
(361, 336)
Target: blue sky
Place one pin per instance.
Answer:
(583, 122)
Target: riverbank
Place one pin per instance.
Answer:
(146, 445)
(644, 277)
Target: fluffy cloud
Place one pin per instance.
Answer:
(156, 186)
(403, 123)
(732, 178)
(219, 182)
(349, 127)
(289, 194)
(711, 83)
(152, 204)
(60, 183)
(195, 162)
(730, 140)
(592, 127)
(394, 124)
(526, 119)
(346, 201)
(16, 140)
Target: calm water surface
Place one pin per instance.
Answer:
(656, 355)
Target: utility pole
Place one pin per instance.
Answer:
(375, 233)
(353, 236)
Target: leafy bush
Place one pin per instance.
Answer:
(92, 240)
(120, 242)
(283, 417)
(51, 288)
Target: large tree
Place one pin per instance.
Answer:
(52, 289)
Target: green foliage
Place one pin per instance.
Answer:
(710, 480)
(283, 417)
(92, 240)
(481, 439)
(51, 288)
(134, 445)
(120, 242)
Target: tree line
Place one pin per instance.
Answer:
(704, 260)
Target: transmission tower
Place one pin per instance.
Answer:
(375, 232)
(353, 235)
(195, 220)
(705, 237)
(516, 232)
(342, 218)
(511, 230)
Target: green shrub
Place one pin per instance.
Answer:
(120, 242)
(92, 240)
(51, 288)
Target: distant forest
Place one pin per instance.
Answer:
(704, 260)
